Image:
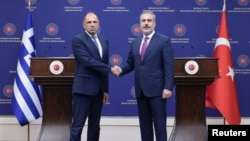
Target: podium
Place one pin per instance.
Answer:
(55, 75)
(191, 77)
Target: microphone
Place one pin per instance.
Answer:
(194, 51)
(69, 55)
(180, 52)
(197, 54)
(46, 51)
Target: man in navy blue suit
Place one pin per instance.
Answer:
(154, 77)
(90, 86)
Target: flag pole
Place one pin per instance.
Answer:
(225, 102)
(28, 132)
(29, 123)
(224, 8)
(29, 4)
(224, 5)
(26, 109)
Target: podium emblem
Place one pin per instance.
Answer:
(191, 67)
(56, 67)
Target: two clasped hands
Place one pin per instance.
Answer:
(116, 70)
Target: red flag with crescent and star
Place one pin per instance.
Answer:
(222, 93)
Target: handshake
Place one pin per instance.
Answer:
(116, 70)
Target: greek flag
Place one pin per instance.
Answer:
(26, 101)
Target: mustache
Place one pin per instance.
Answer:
(146, 26)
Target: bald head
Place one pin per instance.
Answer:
(91, 23)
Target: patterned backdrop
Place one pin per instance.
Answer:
(191, 25)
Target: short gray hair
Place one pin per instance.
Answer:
(149, 12)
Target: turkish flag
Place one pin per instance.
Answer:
(221, 93)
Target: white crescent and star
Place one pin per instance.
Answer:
(223, 41)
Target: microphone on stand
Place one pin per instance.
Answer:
(197, 54)
(47, 50)
(180, 52)
(71, 54)
(194, 51)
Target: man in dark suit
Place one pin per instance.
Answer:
(154, 77)
(90, 86)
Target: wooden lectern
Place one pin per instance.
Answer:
(191, 77)
(55, 75)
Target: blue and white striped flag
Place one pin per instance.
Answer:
(26, 101)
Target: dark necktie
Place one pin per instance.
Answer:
(98, 47)
(144, 47)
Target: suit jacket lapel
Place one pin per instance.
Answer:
(93, 46)
(150, 45)
(103, 46)
(137, 49)
(90, 45)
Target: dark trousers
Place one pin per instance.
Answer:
(83, 107)
(152, 118)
